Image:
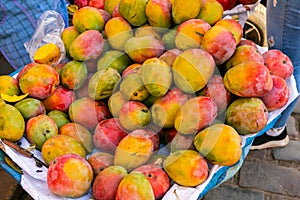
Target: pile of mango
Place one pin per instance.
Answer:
(151, 93)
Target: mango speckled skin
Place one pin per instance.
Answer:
(158, 13)
(115, 103)
(117, 31)
(195, 114)
(135, 186)
(106, 183)
(140, 49)
(9, 85)
(186, 167)
(183, 10)
(157, 76)
(134, 150)
(102, 83)
(210, 143)
(133, 11)
(134, 115)
(247, 115)
(192, 69)
(69, 176)
(248, 79)
(88, 45)
(133, 88)
(88, 18)
(39, 129)
(233, 26)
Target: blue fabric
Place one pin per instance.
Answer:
(18, 20)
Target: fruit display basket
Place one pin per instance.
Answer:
(33, 172)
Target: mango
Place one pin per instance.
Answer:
(157, 76)
(195, 114)
(216, 90)
(182, 142)
(88, 112)
(278, 96)
(190, 33)
(47, 54)
(220, 43)
(168, 37)
(220, 144)
(134, 150)
(59, 117)
(140, 49)
(30, 107)
(134, 68)
(157, 177)
(134, 115)
(40, 81)
(247, 115)
(186, 167)
(233, 26)
(11, 122)
(60, 99)
(169, 56)
(60, 145)
(115, 103)
(244, 53)
(183, 10)
(9, 85)
(117, 31)
(114, 59)
(39, 129)
(158, 13)
(107, 181)
(135, 186)
(165, 108)
(79, 133)
(88, 18)
(107, 135)
(110, 5)
(192, 69)
(248, 79)
(99, 161)
(69, 176)
(68, 35)
(211, 11)
(133, 11)
(103, 83)
(73, 75)
(88, 45)
(133, 88)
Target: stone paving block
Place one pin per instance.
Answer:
(291, 126)
(291, 152)
(271, 178)
(233, 193)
